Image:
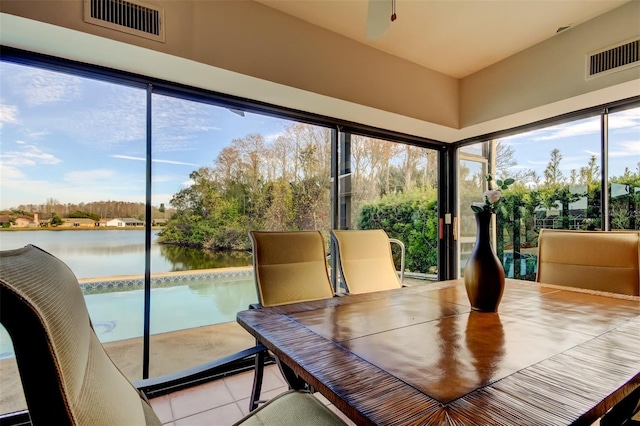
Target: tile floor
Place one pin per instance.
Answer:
(221, 402)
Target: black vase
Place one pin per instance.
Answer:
(483, 273)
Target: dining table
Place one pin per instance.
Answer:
(420, 355)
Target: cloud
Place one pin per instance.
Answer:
(625, 120)
(626, 149)
(34, 191)
(543, 162)
(177, 122)
(272, 137)
(8, 172)
(38, 87)
(8, 114)
(128, 157)
(583, 127)
(30, 155)
(155, 160)
(629, 119)
(37, 134)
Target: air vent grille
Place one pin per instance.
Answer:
(614, 59)
(131, 17)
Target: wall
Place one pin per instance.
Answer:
(216, 44)
(552, 71)
(255, 40)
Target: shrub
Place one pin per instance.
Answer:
(411, 218)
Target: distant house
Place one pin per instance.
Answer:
(159, 222)
(5, 218)
(126, 221)
(75, 222)
(16, 221)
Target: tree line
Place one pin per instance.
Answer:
(95, 210)
(285, 184)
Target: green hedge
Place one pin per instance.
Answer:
(412, 219)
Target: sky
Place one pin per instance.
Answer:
(79, 140)
(578, 141)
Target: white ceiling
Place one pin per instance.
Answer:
(454, 37)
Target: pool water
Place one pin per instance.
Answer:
(119, 315)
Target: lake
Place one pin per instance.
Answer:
(118, 315)
(102, 253)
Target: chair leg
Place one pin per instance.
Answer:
(257, 380)
(292, 378)
(623, 412)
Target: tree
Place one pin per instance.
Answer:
(590, 174)
(573, 178)
(161, 209)
(553, 174)
(56, 220)
(506, 164)
(84, 215)
(280, 211)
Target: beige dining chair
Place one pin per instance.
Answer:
(292, 408)
(288, 267)
(67, 376)
(592, 260)
(365, 260)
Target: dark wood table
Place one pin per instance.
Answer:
(419, 355)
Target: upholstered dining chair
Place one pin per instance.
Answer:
(289, 267)
(67, 377)
(592, 260)
(292, 408)
(365, 260)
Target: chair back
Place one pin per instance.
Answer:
(365, 260)
(593, 260)
(290, 267)
(67, 376)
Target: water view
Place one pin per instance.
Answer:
(118, 315)
(102, 253)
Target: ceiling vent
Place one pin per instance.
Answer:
(132, 17)
(617, 58)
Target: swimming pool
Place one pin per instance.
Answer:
(188, 303)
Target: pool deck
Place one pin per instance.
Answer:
(169, 353)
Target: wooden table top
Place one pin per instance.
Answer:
(420, 355)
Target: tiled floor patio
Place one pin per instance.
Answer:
(221, 402)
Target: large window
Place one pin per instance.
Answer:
(472, 169)
(69, 171)
(392, 186)
(218, 173)
(75, 157)
(148, 190)
(558, 172)
(624, 169)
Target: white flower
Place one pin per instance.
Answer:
(492, 196)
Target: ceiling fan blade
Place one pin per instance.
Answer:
(378, 17)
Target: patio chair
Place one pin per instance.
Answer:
(365, 260)
(593, 260)
(67, 376)
(292, 408)
(289, 267)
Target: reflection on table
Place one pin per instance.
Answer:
(420, 355)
